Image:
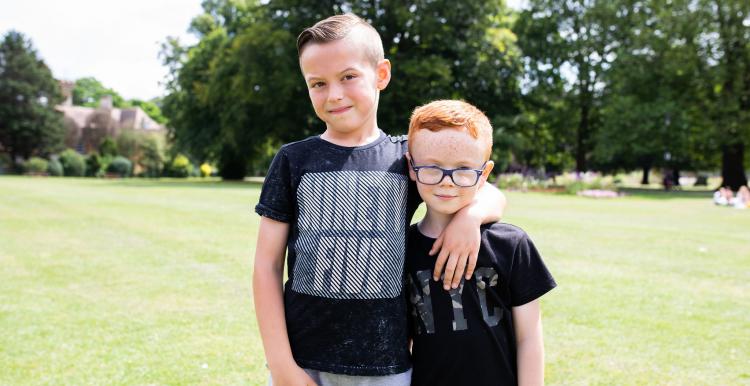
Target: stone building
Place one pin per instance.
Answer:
(88, 126)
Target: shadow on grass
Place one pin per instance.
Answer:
(667, 195)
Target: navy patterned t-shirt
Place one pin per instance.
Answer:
(348, 210)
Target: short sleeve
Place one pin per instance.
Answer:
(413, 197)
(529, 277)
(276, 196)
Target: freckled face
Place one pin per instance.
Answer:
(343, 84)
(448, 149)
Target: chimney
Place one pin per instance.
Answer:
(67, 91)
(106, 102)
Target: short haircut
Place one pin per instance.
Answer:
(455, 115)
(338, 27)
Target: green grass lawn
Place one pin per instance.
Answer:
(148, 282)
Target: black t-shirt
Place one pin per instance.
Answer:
(348, 209)
(465, 336)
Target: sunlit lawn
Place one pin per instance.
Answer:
(148, 282)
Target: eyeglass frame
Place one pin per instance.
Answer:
(447, 172)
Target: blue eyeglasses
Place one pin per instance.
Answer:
(433, 175)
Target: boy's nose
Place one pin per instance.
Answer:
(335, 93)
(446, 180)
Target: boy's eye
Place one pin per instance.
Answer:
(317, 84)
(349, 76)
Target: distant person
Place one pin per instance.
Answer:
(336, 208)
(722, 196)
(488, 329)
(742, 200)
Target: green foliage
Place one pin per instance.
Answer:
(94, 165)
(4, 163)
(54, 167)
(89, 92)
(35, 165)
(151, 108)
(120, 166)
(128, 144)
(152, 157)
(29, 124)
(223, 96)
(73, 164)
(108, 147)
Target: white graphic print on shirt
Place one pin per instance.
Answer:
(351, 234)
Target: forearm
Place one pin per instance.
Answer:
(530, 357)
(269, 310)
(488, 205)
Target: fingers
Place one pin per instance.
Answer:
(460, 269)
(437, 245)
(439, 263)
(472, 264)
(450, 270)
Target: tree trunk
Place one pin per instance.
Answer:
(232, 164)
(732, 167)
(583, 129)
(646, 171)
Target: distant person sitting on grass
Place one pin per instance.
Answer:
(742, 200)
(723, 196)
(487, 330)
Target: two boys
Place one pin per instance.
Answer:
(340, 204)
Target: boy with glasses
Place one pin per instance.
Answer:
(488, 330)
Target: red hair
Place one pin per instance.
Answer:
(455, 115)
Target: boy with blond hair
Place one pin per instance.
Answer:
(339, 205)
(488, 330)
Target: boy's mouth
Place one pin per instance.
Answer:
(445, 196)
(340, 110)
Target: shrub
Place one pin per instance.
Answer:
(94, 165)
(180, 166)
(513, 181)
(575, 187)
(54, 168)
(5, 164)
(152, 157)
(35, 165)
(108, 147)
(73, 163)
(206, 170)
(128, 144)
(120, 166)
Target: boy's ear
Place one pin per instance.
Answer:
(486, 173)
(383, 73)
(412, 175)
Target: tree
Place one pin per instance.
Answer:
(89, 91)
(239, 88)
(572, 42)
(724, 41)
(648, 112)
(29, 124)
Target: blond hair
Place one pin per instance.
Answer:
(338, 27)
